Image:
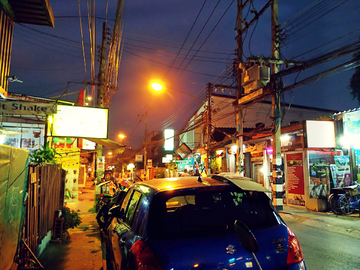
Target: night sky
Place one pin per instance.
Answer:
(157, 38)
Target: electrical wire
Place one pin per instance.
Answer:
(327, 43)
(198, 36)
(187, 36)
(210, 33)
(82, 36)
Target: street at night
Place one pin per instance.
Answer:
(179, 135)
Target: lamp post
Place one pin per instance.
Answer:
(158, 87)
(122, 138)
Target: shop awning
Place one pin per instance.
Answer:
(105, 142)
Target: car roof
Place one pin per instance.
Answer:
(176, 183)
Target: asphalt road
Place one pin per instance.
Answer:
(329, 244)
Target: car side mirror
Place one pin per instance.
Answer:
(116, 212)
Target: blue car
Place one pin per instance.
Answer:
(222, 222)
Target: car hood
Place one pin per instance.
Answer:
(223, 252)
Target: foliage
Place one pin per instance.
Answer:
(214, 166)
(172, 165)
(71, 218)
(44, 155)
(355, 80)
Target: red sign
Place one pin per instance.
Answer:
(295, 173)
(295, 178)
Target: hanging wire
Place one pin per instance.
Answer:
(198, 36)
(208, 36)
(82, 36)
(187, 36)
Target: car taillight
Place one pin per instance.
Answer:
(295, 254)
(144, 258)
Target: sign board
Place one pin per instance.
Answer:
(138, 158)
(165, 160)
(251, 96)
(295, 178)
(183, 162)
(12, 107)
(149, 163)
(77, 121)
(169, 135)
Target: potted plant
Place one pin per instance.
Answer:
(71, 220)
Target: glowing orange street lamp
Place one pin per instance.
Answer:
(122, 137)
(158, 87)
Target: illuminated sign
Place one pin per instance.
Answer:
(77, 121)
(169, 135)
(88, 145)
(319, 134)
(12, 107)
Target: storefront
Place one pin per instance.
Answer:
(309, 163)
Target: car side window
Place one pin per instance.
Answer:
(132, 207)
(125, 201)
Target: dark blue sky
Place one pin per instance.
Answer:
(47, 60)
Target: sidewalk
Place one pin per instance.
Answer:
(82, 251)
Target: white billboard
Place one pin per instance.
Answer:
(78, 121)
(169, 135)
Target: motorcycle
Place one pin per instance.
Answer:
(107, 201)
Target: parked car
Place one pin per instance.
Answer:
(200, 223)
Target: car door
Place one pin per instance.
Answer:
(120, 231)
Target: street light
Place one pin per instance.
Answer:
(156, 86)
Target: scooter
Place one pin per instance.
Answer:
(106, 202)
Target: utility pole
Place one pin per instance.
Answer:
(276, 110)
(208, 133)
(239, 63)
(145, 144)
(101, 84)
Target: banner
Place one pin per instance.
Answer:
(70, 161)
(26, 108)
(342, 171)
(100, 166)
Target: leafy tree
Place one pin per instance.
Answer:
(355, 80)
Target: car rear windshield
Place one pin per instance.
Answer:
(196, 213)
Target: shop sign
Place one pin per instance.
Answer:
(138, 158)
(182, 162)
(149, 163)
(11, 107)
(352, 128)
(295, 178)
